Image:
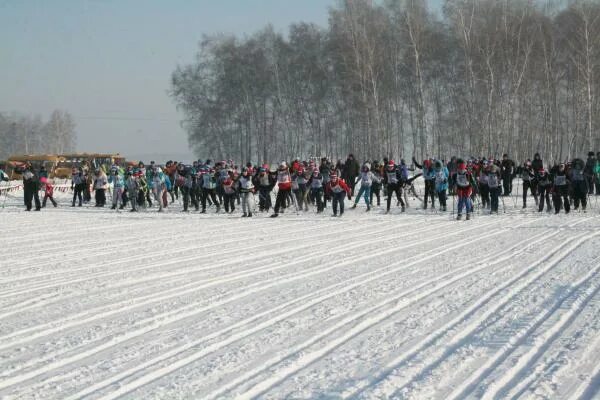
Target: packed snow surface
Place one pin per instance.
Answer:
(99, 304)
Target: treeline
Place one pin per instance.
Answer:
(392, 78)
(23, 134)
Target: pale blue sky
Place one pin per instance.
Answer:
(109, 62)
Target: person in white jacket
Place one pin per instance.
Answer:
(100, 186)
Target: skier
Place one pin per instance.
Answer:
(265, 183)
(484, 189)
(325, 169)
(350, 171)
(463, 183)
(246, 190)
(544, 189)
(316, 189)
(528, 177)
(441, 176)
(185, 182)
(366, 181)
(376, 185)
(597, 174)
(229, 187)
(209, 185)
(392, 179)
(284, 184)
(507, 170)
(579, 182)
(299, 186)
(118, 187)
(590, 165)
(492, 174)
(537, 164)
(159, 185)
(338, 189)
(48, 191)
(429, 175)
(560, 189)
(78, 182)
(133, 187)
(100, 186)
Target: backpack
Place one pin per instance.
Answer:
(493, 180)
(462, 180)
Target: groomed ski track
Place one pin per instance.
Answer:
(96, 304)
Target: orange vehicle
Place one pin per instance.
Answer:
(49, 161)
(93, 160)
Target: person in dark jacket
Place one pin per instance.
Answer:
(544, 189)
(350, 172)
(578, 182)
(529, 178)
(507, 170)
(392, 179)
(31, 186)
(588, 170)
(560, 188)
(537, 164)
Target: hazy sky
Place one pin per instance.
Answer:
(108, 62)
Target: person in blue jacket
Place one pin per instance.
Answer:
(441, 175)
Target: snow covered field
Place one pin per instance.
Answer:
(101, 305)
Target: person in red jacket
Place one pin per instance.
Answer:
(284, 184)
(463, 183)
(48, 191)
(338, 189)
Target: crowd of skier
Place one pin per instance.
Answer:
(313, 184)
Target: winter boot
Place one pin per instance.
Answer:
(468, 216)
(353, 206)
(458, 217)
(249, 215)
(274, 215)
(244, 215)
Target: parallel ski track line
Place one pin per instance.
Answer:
(304, 302)
(10, 233)
(324, 291)
(26, 305)
(491, 364)
(461, 338)
(58, 242)
(77, 248)
(59, 283)
(176, 315)
(33, 237)
(306, 359)
(526, 362)
(430, 339)
(126, 247)
(180, 290)
(590, 386)
(592, 351)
